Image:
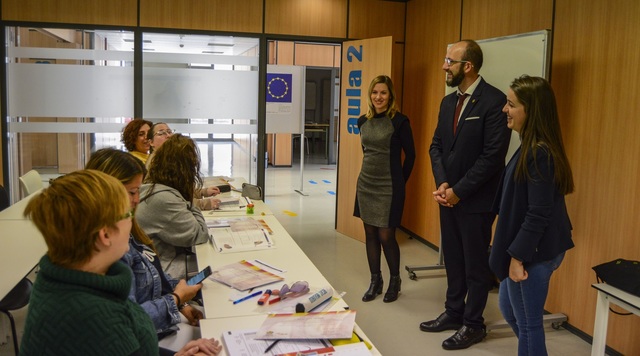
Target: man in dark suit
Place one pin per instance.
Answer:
(467, 158)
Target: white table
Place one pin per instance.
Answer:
(215, 327)
(286, 255)
(222, 315)
(22, 246)
(607, 295)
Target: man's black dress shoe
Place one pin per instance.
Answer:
(441, 323)
(464, 337)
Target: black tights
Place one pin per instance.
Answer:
(378, 239)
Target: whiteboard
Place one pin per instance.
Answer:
(509, 57)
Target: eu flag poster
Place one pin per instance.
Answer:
(279, 88)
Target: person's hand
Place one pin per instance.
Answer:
(185, 291)
(208, 347)
(440, 195)
(451, 197)
(192, 314)
(211, 191)
(517, 273)
(208, 203)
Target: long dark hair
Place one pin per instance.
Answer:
(125, 168)
(541, 130)
(177, 164)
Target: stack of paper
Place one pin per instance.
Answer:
(244, 275)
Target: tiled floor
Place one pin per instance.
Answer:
(392, 327)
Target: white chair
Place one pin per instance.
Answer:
(31, 182)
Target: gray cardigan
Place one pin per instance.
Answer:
(173, 224)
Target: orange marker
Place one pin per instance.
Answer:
(265, 297)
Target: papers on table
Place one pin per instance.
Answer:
(243, 342)
(327, 325)
(357, 349)
(244, 275)
(239, 234)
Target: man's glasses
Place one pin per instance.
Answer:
(167, 132)
(297, 289)
(451, 62)
(128, 214)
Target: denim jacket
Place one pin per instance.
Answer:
(146, 288)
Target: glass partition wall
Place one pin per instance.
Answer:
(71, 92)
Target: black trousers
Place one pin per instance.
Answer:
(465, 246)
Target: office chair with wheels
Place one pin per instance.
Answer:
(30, 182)
(18, 297)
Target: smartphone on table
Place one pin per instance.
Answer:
(198, 278)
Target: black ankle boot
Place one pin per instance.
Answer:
(375, 288)
(394, 288)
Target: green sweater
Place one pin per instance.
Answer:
(79, 313)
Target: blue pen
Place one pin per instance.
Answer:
(247, 297)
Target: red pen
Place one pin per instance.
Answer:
(265, 297)
(274, 300)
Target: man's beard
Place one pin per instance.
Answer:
(456, 79)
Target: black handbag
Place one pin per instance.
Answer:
(620, 273)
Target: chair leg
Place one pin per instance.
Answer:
(13, 331)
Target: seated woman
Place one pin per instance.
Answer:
(166, 211)
(134, 137)
(79, 304)
(162, 297)
(159, 133)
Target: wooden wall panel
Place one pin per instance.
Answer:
(211, 15)
(431, 25)
(97, 12)
(495, 18)
(318, 18)
(596, 110)
(314, 55)
(369, 19)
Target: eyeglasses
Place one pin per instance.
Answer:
(450, 61)
(297, 289)
(128, 214)
(167, 132)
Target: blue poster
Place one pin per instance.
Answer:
(279, 88)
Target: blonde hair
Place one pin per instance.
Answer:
(72, 210)
(392, 108)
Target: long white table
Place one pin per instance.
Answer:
(222, 315)
(607, 295)
(286, 255)
(21, 246)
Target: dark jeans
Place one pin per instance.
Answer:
(522, 305)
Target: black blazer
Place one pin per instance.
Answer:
(473, 160)
(533, 223)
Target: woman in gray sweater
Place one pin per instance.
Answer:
(167, 212)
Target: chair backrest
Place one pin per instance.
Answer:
(4, 198)
(31, 182)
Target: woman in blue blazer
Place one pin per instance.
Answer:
(533, 230)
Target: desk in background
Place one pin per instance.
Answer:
(314, 128)
(608, 294)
